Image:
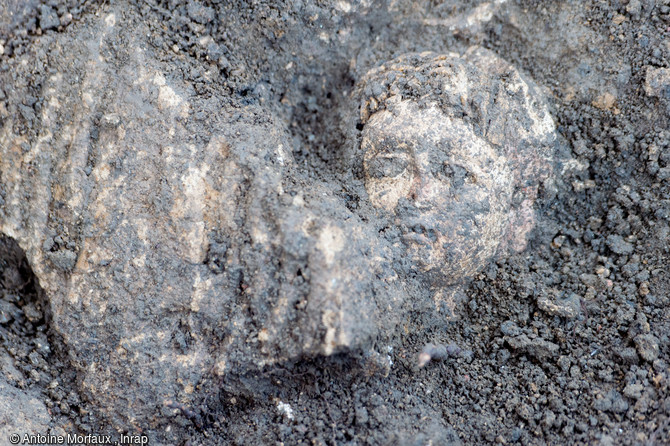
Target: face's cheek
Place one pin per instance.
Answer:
(386, 192)
(388, 176)
(437, 253)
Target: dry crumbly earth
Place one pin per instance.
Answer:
(565, 343)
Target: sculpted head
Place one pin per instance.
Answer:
(457, 181)
(448, 190)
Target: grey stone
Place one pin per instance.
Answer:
(453, 151)
(178, 259)
(493, 144)
(569, 307)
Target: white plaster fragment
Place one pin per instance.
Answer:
(285, 409)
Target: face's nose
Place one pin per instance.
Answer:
(424, 189)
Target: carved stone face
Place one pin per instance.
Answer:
(448, 190)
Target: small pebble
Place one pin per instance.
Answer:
(618, 245)
(647, 347)
(439, 351)
(48, 18)
(633, 391)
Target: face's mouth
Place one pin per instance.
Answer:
(419, 233)
(418, 239)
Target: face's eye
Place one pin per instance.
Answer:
(388, 173)
(456, 175)
(387, 165)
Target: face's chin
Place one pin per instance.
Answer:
(423, 258)
(447, 247)
(422, 254)
(424, 243)
(420, 249)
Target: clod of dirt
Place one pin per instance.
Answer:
(657, 82)
(647, 347)
(568, 307)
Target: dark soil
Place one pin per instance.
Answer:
(565, 343)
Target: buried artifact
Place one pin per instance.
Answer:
(454, 150)
(170, 246)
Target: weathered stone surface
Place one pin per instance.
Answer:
(457, 187)
(167, 256)
(176, 238)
